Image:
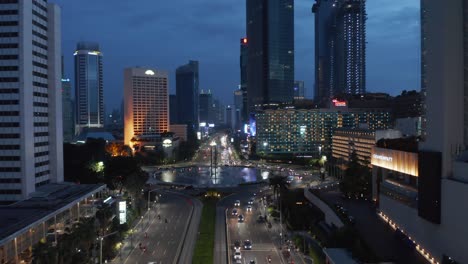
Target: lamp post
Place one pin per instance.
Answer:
(149, 192)
(101, 238)
(281, 217)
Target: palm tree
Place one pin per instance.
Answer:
(278, 183)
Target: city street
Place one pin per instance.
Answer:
(163, 241)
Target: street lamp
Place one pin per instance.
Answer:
(101, 238)
(149, 192)
(213, 159)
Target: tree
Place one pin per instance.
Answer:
(279, 183)
(115, 149)
(357, 179)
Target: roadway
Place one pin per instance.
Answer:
(260, 235)
(163, 241)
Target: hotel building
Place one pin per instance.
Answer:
(146, 106)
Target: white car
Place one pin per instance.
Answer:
(234, 212)
(237, 255)
(237, 203)
(251, 201)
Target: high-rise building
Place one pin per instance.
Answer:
(31, 145)
(270, 64)
(89, 98)
(299, 92)
(340, 48)
(187, 93)
(228, 116)
(421, 196)
(238, 108)
(206, 113)
(146, 103)
(173, 110)
(67, 106)
(244, 47)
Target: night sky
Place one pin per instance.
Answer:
(166, 34)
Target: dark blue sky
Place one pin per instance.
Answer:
(166, 34)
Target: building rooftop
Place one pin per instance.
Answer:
(339, 256)
(46, 201)
(409, 144)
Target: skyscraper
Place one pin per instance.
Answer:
(340, 46)
(244, 47)
(431, 213)
(67, 106)
(229, 116)
(89, 98)
(146, 104)
(206, 113)
(31, 150)
(299, 92)
(187, 93)
(238, 108)
(270, 65)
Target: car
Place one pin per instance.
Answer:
(238, 261)
(237, 245)
(252, 261)
(249, 208)
(234, 212)
(237, 203)
(247, 244)
(237, 255)
(240, 218)
(251, 201)
(260, 219)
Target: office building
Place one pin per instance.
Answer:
(179, 131)
(340, 48)
(68, 108)
(270, 63)
(407, 104)
(359, 140)
(244, 48)
(238, 108)
(173, 109)
(89, 96)
(422, 197)
(146, 103)
(299, 92)
(229, 116)
(294, 131)
(206, 113)
(31, 131)
(187, 93)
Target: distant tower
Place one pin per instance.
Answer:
(206, 112)
(89, 98)
(270, 66)
(146, 103)
(67, 106)
(299, 92)
(340, 48)
(187, 93)
(244, 47)
(229, 116)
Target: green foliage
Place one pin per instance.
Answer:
(205, 243)
(357, 178)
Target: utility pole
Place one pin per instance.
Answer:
(101, 238)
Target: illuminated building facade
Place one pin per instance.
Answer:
(340, 48)
(31, 134)
(270, 63)
(310, 131)
(347, 140)
(244, 48)
(89, 94)
(146, 104)
(436, 221)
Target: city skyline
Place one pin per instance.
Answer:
(392, 35)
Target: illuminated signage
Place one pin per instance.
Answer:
(149, 72)
(337, 102)
(211, 125)
(381, 157)
(302, 130)
(203, 124)
(395, 160)
(199, 135)
(94, 53)
(167, 143)
(246, 128)
(122, 212)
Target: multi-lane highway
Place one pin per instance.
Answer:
(156, 241)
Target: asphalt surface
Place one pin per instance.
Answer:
(162, 240)
(258, 233)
